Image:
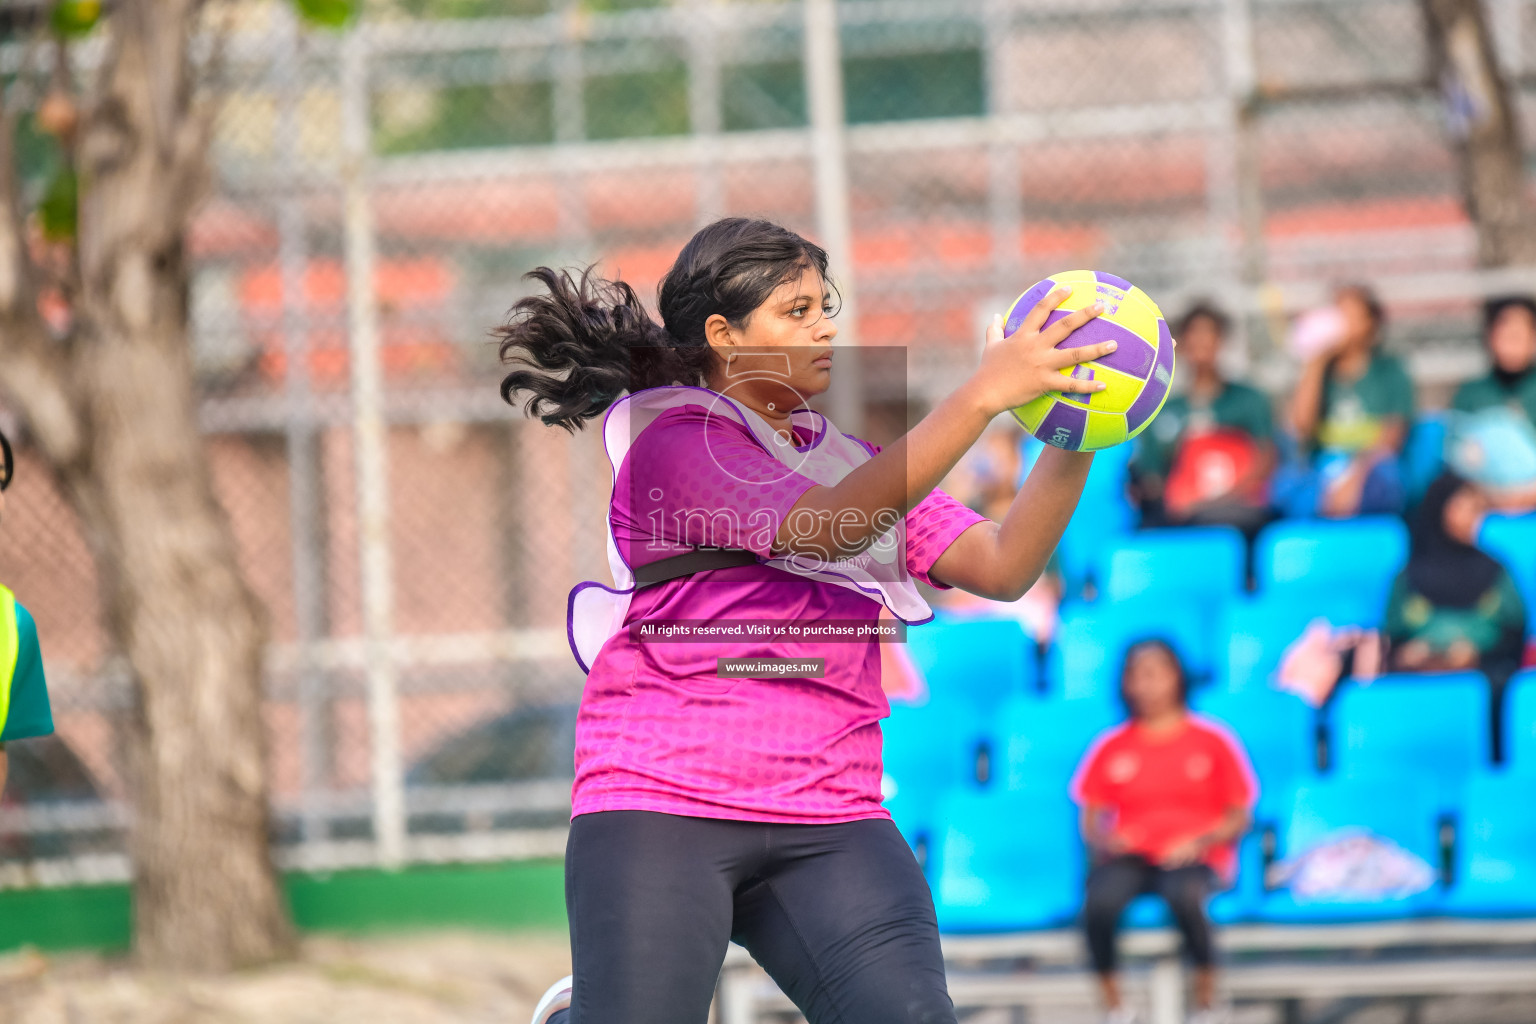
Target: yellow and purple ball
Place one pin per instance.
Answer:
(1138, 373)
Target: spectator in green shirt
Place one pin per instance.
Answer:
(1509, 331)
(1454, 606)
(1208, 455)
(1492, 438)
(1351, 411)
(24, 710)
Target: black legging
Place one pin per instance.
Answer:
(1114, 883)
(839, 916)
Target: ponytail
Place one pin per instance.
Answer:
(586, 340)
(590, 340)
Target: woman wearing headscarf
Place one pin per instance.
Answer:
(1493, 425)
(1454, 606)
(1509, 333)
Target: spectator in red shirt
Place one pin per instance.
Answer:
(1165, 797)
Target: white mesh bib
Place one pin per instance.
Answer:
(595, 611)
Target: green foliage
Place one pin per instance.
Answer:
(60, 206)
(638, 104)
(327, 13)
(620, 5)
(914, 86)
(74, 18)
(758, 96)
(451, 9)
(37, 154)
(43, 169)
(754, 96)
(464, 117)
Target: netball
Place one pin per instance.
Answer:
(1138, 373)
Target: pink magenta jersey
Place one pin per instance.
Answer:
(658, 729)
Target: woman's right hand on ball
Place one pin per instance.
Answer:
(1026, 364)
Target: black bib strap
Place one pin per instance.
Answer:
(690, 562)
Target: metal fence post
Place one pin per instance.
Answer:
(300, 436)
(1235, 192)
(570, 127)
(1005, 199)
(370, 447)
(1504, 17)
(704, 109)
(834, 222)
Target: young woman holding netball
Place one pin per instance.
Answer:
(710, 808)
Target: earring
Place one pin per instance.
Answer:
(730, 357)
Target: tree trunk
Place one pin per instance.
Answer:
(1487, 134)
(131, 457)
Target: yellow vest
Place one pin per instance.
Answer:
(10, 649)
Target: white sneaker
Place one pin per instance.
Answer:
(1121, 1015)
(557, 998)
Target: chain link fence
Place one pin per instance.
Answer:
(380, 192)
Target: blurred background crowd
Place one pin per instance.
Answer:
(1349, 440)
(1336, 577)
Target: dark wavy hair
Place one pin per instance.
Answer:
(1496, 307)
(1368, 298)
(1153, 643)
(1206, 311)
(584, 340)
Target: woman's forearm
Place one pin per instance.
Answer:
(1002, 560)
(1092, 822)
(1394, 434)
(1230, 829)
(1306, 400)
(840, 520)
(906, 472)
(1386, 448)
(1040, 512)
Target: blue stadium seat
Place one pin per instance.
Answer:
(1084, 661)
(1439, 724)
(1201, 563)
(1512, 540)
(1316, 556)
(929, 750)
(1495, 865)
(1257, 630)
(1424, 453)
(1279, 732)
(1520, 724)
(1245, 900)
(914, 807)
(985, 661)
(1041, 742)
(1147, 911)
(1396, 807)
(1007, 861)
